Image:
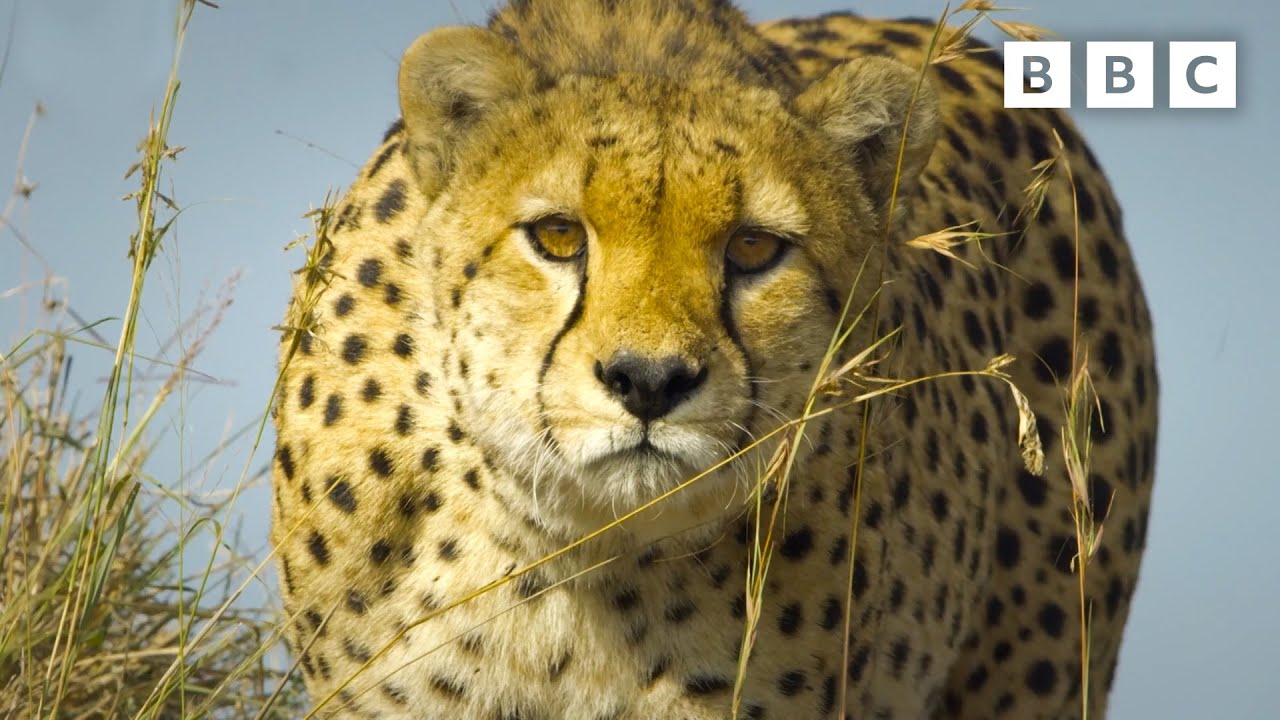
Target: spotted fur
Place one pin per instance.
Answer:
(445, 421)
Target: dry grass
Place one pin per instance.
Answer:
(99, 614)
(854, 382)
(1080, 399)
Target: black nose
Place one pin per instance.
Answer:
(649, 387)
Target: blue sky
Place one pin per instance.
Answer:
(281, 100)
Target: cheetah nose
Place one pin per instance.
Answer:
(649, 387)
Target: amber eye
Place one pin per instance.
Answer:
(557, 237)
(752, 250)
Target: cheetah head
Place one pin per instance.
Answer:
(640, 274)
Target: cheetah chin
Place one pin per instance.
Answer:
(672, 476)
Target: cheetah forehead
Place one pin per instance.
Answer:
(657, 37)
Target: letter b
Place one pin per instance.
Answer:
(1037, 74)
(1035, 69)
(1119, 68)
(1120, 75)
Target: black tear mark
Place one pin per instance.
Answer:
(731, 329)
(572, 320)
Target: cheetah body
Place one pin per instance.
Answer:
(444, 430)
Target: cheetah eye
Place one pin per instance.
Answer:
(752, 250)
(557, 238)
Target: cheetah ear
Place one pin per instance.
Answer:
(864, 104)
(449, 79)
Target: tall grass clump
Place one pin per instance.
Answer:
(100, 616)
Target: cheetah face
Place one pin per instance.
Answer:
(641, 303)
(640, 277)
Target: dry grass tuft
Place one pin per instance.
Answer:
(1080, 402)
(942, 241)
(954, 42)
(97, 606)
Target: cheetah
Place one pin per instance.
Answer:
(538, 367)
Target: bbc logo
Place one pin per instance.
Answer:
(1119, 74)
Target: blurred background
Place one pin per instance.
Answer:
(281, 101)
